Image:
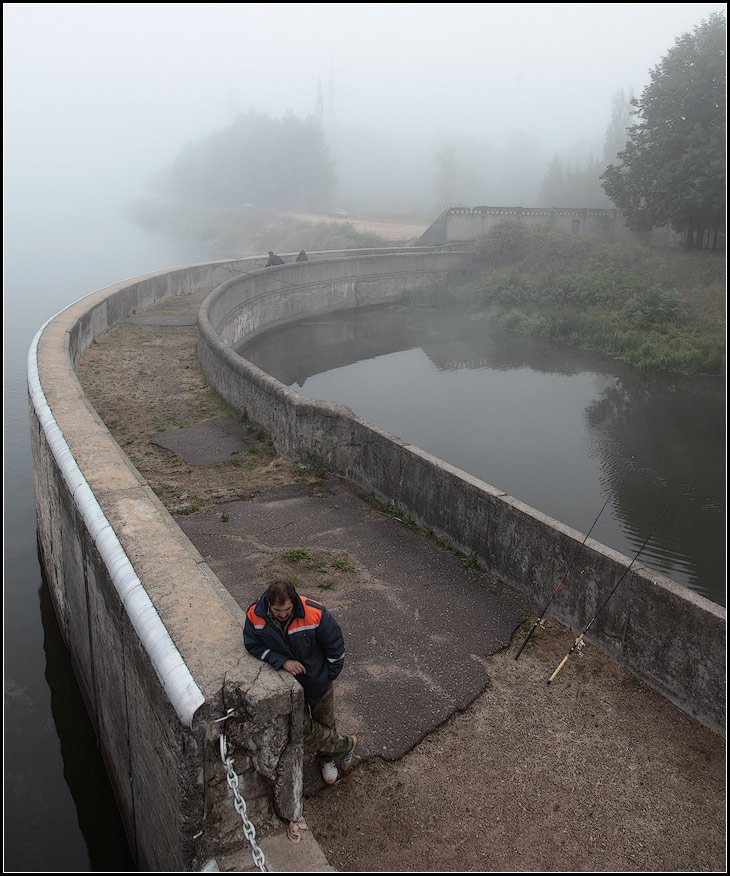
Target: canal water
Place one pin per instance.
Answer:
(60, 814)
(558, 428)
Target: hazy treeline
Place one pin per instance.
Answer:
(577, 182)
(257, 161)
(660, 160)
(300, 165)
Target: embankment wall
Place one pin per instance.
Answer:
(155, 639)
(670, 637)
(460, 224)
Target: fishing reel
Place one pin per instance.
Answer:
(579, 647)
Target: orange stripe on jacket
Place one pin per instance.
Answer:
(311, 619)
(257, 621)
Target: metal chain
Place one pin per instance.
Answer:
(240, 805)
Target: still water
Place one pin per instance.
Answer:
(558, 428)
(59, 814)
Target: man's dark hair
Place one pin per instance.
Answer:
(279, 591)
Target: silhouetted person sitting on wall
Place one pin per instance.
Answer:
(302, 257)
(273, 260)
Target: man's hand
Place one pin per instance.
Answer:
(295, 667)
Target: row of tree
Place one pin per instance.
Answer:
(577, 183)
(664, 158)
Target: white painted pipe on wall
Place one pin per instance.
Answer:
(173, 673)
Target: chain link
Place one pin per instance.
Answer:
(240, 805)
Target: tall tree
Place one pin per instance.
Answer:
(617, 130)
(672, 169)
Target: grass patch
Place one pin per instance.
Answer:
(294, 555)
(342, 564)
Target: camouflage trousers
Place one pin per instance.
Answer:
(320, 731)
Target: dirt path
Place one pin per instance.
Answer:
(594, 773)
(395, 232)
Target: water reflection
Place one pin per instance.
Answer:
(556, 427)
(83, 767)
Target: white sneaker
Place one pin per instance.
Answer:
(350, 756)
(329, 772)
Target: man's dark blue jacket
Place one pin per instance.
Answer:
(314, 639)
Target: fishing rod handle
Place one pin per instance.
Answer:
(562, 663)
(565, 659)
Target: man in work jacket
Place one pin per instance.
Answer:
(300, 636)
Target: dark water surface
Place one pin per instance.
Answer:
(553, 426)
(60, 814)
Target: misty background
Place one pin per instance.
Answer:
(100, 97)
(421, 106)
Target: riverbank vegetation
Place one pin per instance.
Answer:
(658, 308)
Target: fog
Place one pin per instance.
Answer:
(100, 96)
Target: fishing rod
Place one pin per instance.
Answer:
(539, 621)
(579, 643)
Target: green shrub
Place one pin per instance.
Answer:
(653, 308)
(504, 244)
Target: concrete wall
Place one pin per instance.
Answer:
(155, 639)
(670, 637)
(460, 224)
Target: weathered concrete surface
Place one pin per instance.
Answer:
(281, 854)
(127, 699)
(208, 443)
(419, 621)
(458, 224)
(155, 638)
(163, 319)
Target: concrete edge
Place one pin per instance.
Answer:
(174, 675)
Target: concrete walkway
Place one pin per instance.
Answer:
(418, 623)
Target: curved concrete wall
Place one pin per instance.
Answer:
(670, 637)
(155, 639)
